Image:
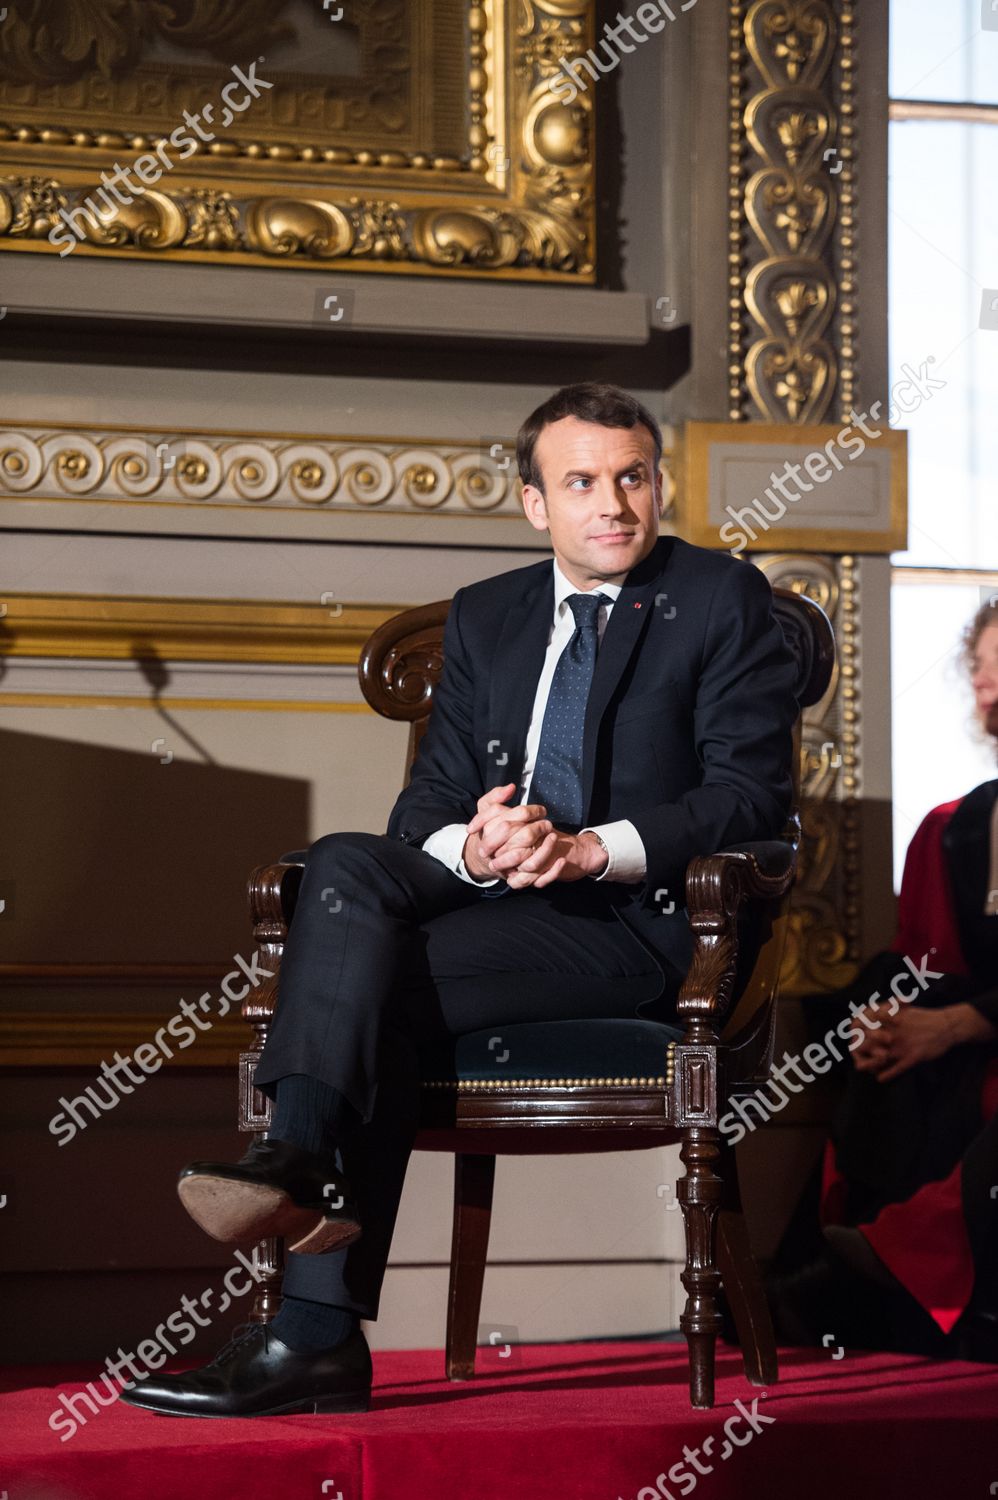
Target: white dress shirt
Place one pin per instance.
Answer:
(627, 858)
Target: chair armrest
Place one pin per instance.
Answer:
(717, 886)
(771, 856)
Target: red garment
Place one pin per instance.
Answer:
(926, 915)
(923, 1241)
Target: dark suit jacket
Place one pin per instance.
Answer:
(688, 725)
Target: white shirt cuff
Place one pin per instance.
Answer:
(628, 861)
(447, 845)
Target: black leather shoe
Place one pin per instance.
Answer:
(256, 1375)
(975, 1337)
(275, 1190)
(854, 1250)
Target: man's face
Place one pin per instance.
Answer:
(602, 498)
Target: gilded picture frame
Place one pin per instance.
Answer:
(374, 135)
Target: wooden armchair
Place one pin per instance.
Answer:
(630, 1084)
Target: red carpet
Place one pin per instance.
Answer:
(564, 1422)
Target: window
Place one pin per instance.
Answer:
(943, 320)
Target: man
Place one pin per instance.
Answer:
(601, 718)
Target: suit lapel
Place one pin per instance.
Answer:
(516, 668)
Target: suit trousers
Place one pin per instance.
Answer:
(389, 957)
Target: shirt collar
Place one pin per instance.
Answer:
(563, 587)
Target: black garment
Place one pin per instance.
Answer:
(967, 847)
(389, 957)
(310, 1114)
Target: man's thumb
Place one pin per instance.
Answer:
(494, 795)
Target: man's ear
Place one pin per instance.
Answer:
(659, 493)
(534, 507)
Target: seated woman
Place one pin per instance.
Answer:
(908, 1191)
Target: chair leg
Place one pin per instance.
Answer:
(474, 1177)
(699, 1194)
(742, 1281)
(269, 1256)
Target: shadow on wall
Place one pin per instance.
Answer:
(120, 856)
(128, 857)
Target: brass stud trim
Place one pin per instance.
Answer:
(561, 1083)
(497, 1084)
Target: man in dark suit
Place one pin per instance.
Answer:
(601, 718)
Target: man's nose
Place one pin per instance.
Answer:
(613, 500)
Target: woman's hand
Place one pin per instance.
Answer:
(911, 1036)
(915, 1035)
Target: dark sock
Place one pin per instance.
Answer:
(311, 1114)
(308, 1327)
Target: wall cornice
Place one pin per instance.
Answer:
(89, 627)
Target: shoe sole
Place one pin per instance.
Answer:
(315, 1406)
(244, 1212)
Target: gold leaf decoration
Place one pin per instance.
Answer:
(790, 203)
(47, 41)
(442, 146)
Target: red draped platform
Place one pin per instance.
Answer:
(550, 1422)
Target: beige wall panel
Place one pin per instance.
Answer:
(532, 1305)
(267, 569)
(599, 1207)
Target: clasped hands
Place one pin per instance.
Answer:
(522, 846)
(916, 1035)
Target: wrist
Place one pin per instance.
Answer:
(472, 864)
(597, 853)
(965, 1024)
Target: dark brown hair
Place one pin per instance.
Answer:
(985, 616)
(590, 401)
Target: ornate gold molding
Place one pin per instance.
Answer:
(174, 701)
(788, 123)
(792, 358)
(89, 627)
(185, 467)
(822, 937)
(442, 152)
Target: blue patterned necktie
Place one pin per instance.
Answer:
(557, 778)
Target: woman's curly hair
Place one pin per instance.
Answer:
(985, 616)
